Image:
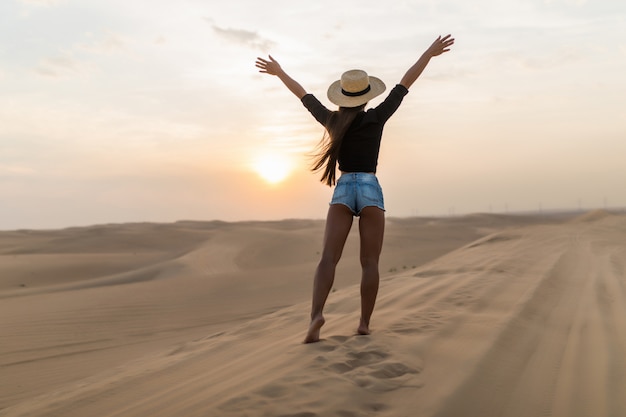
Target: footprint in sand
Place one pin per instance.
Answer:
(358, 359)
(338, 339)
(355, 360)
(373, 369)
(393, 370)
(424, 322)
(273, 391)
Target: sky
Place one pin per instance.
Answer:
(114, 111)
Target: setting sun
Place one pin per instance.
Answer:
(272, 168)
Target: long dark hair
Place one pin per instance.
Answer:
(328, 149)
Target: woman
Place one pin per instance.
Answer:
(352, 139)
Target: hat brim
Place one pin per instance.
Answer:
(377, 87)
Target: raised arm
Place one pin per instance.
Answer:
(438, 47)
(272, 67)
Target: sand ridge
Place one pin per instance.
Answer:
(528, 320)
(78, 301)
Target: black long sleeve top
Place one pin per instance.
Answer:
(361, 144)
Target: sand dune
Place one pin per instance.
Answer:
(477, 316)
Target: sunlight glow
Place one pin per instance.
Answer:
(273, 168)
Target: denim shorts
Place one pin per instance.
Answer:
(357, 190)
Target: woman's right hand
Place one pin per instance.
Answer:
(271, 67)
(440, 45)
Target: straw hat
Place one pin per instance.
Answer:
(355, 88)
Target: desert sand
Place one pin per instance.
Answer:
(481, 315)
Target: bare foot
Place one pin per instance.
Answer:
(313, 335)
(363, 329)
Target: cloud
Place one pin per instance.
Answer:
(77, 59)
(578, 3)
(46, 3)
(16, 170)
(110, 43)
(242, 37)
(59, 65)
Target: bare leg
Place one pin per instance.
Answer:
(338, 224)
(372, 230)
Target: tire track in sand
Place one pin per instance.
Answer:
(562, 354)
